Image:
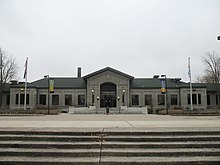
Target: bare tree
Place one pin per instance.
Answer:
(212, 72)
(8, 68)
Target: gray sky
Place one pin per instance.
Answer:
(138, 37)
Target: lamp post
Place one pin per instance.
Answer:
(118, 103)
(92, 97)
(48, 86)
(123, 97)
(166, 91)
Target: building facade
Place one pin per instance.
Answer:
(112, 88)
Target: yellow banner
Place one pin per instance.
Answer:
(51, 85)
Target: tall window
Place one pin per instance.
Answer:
(55, 99)
(161, 99)
(199, 99)
(21, 98)
(135, 100)
(148, 99)
(17, 98)
(68, 100)
(173, 99)
(27, 99)
(42, 99)
(196, 99)
(81, 100)
(216, 99)
(208, 100)
(8, 100)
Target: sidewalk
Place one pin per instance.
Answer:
(110, 121)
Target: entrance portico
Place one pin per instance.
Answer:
(108, 87)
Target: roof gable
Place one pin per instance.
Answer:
(108, 69)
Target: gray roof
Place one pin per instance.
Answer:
(141, 83)
(64, 83)
(137, 83)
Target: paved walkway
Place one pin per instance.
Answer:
(110, 121)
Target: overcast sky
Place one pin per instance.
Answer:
(138, 37)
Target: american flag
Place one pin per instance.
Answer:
(25, 68)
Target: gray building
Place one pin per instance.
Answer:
(115, 89)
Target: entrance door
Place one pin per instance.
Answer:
(108, 95)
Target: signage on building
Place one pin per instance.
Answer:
(51, 85)
(163, 86)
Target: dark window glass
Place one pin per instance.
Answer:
(135, 100)
(216, 99)
(161, 99)
(22, 99)
(173, 99)
(194, 99)
(81, 100)
(199, 99)
(68, 100)
(17, 98)
(42, 99)
(208, 100)
(55, 99)
(148, 99)
(27, 99)
(8, 100)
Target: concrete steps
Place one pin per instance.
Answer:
(121, 147)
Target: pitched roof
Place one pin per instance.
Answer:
(69, 83)
(108, 69)
(141, 83)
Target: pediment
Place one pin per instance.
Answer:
(108, 70)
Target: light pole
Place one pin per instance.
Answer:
(92, 97)
(48, 86)
(166, 91)
(118, 103)
(123, 97)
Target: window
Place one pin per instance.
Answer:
(173, 99)
(8, 100)
(216, 99)
(81, 100)
(68, 100)
(196, 99)
(27, 99)
(135, 99)
(208, 100)
(199, 99)
(161, 99)
(21, 98)
(17, 98)
(42, 99)
(55, 99)
(148, 99)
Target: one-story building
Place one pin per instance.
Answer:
(112, 88)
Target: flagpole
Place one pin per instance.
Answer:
(190, 78)
(25, 88)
